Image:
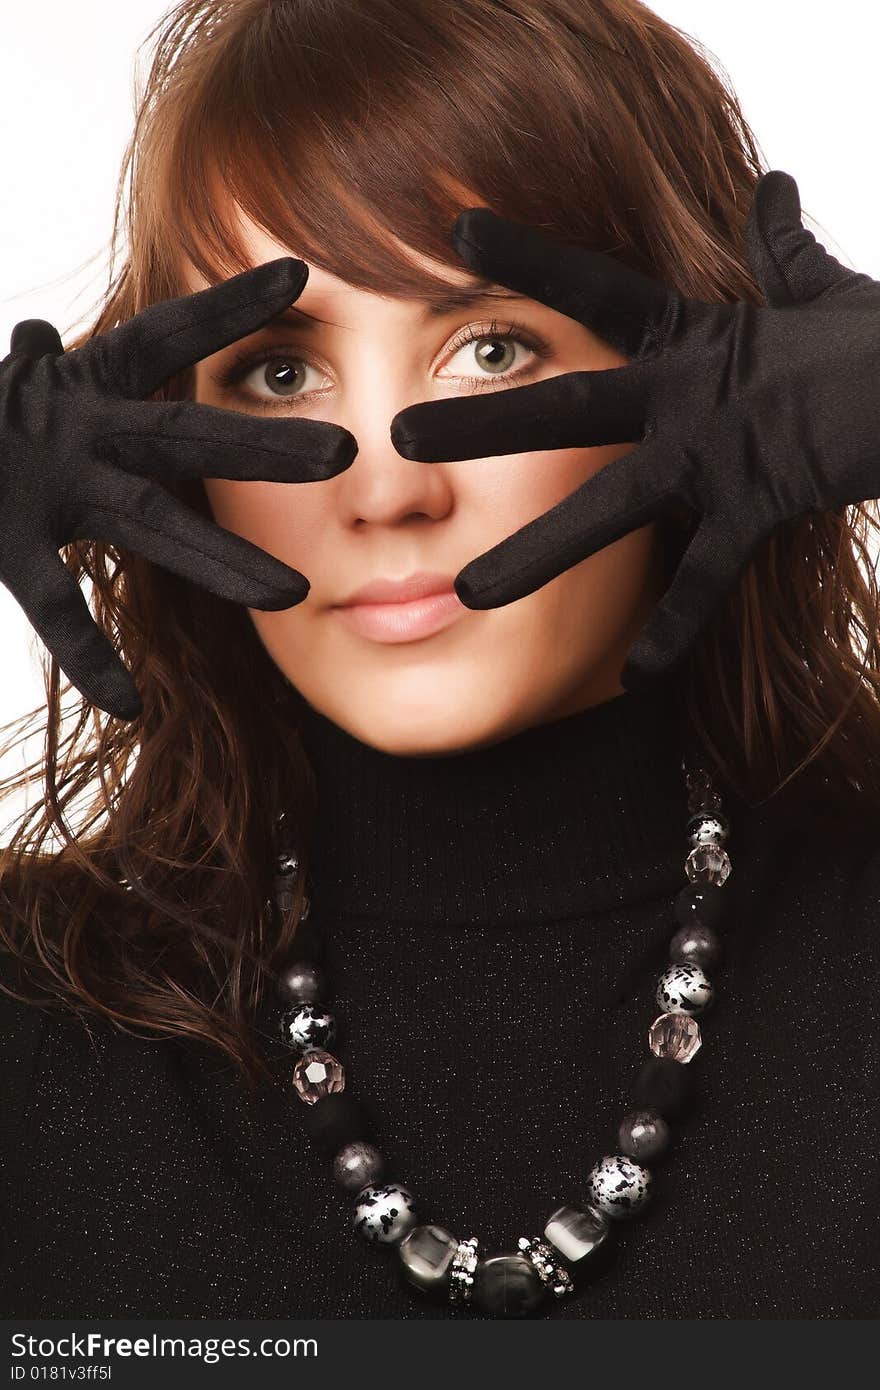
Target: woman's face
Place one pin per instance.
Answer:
(356, 360)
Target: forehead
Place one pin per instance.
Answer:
(260, 246)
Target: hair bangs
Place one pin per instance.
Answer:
(355, 137)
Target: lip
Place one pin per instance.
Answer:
(416, 585)
(402, 610)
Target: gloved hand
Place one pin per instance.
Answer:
(83, 456)
(747, 415)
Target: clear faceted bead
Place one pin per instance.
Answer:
(316, 1074)
(708, 863)
(676, 1036)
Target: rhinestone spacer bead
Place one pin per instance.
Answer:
(702, 795)
(461, 1270)
(552, 1273)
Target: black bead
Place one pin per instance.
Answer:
(701, 902)
(507, 1286)
(336, 1120)
(308, 942)
(304, 981)
(667, 1086)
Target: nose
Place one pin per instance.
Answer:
(381, 487)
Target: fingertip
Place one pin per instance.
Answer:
(343, 451)
(471, 221)
(36, 338)
(286, 275)
(632, 677)
(288, 596)
(125, 704)
(470, 593)
(402, 438)
(470, 234)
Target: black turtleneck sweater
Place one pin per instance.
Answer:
(491, 921)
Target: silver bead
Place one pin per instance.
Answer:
(695, 944)
(359, 1164)
(709, 864)
(426, 1255)
(303, 981)
(579, 1234)
(307, 1025)
(619, 1186)
(385, 1213)
(684, 989)
(707, 828)
(643, 1135)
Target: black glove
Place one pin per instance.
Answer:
(747, 415)
(83, 456)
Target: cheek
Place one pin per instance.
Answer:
(521, 487)
(583, 611)
(277, 517)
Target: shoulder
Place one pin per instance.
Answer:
(812, 866)
(21, 1021)
(22, 1039)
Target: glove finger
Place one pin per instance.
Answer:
(35, 338)
(142, 516)
(707, 571)
(790, 265)
(573, 410)
(59, 613)
(622, 305)
(137, 356)
(180, 440)
(627, 493)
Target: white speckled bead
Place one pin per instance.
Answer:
(307, 1025)
(707, 828)
(684, 989)
(385, 1213)
(619, 1186)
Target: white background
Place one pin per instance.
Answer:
(807, 86)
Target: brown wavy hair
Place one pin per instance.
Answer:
(332, 122)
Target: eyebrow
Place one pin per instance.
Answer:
(435, 306)
(463, 297)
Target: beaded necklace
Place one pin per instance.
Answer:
(577, 1238)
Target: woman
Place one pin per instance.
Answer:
(482, 831)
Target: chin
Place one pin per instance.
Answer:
(443, 729)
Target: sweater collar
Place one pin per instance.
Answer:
(559, 820)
